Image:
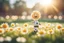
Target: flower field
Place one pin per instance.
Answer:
(31, 21)
(24, 33)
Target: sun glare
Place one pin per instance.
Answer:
(45, 2)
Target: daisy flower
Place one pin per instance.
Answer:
(18, 39)
(5, 25)
(24, 31)
(11, 29)
(41, 33)
(6, 30)
(1, 39)
(2, 31)
(50, 31)
(36, 15)
(8, 39)
(17, 24)
(62, 29)
(0, 26)
(46, 28)
(58, 27)
(18, 28)
(48, 24)
(31, 28)
(21, 39)
(13, 24)
(16, 33)
(25, 25)
(40, 26)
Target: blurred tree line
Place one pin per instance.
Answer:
(20, 6)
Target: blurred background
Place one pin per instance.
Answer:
(20, 10)
(13, 12)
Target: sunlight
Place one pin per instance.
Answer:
(45, 2)
(55, 8)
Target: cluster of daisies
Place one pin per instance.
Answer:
(7, 32)
(26, 31)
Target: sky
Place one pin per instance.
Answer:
(30, 3)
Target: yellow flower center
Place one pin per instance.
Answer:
(50, 31)
(18, 28)
(41, 32)
(12, 25)
(4, 26)
(0, 31)
(11, 29)
(59, 27)
(47, 27)
(0, 27)
(63, 29)
(25, 25)
(24, 30)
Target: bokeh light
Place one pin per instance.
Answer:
(14, 17)
(23, 17)
(7, 17)
(60, 17)
(55, 17)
